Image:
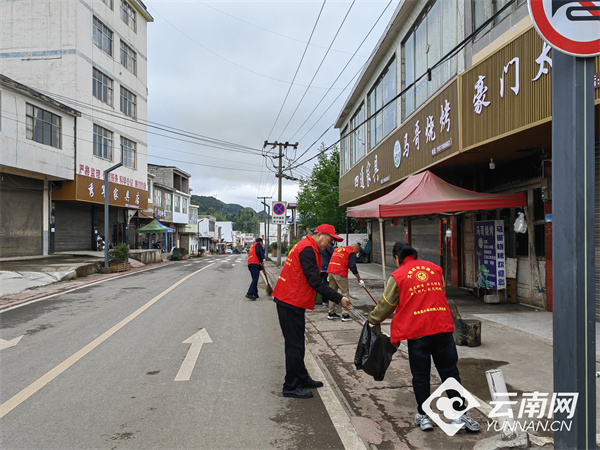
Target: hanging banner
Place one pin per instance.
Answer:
(491, 264)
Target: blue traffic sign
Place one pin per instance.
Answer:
(278, 209)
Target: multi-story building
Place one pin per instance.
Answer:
(207, 232)
(172, 189)
(461, 88)
(92, 56)
(37, 156)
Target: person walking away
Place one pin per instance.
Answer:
(342, 260)
(255, 265)
(294, 293)
(415, 290)
(326, 257)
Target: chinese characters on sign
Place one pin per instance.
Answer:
(491, 269)
(479, 99)
(112, 177)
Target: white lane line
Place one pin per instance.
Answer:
(19, 398)
(343, 425)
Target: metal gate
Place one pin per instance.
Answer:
(21, 227)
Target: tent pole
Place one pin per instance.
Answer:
(382, 251)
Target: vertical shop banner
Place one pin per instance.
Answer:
(491, 265)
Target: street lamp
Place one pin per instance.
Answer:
(106, 172)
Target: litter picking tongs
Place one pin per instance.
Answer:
(360, 316)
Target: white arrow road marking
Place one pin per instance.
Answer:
(185, 372)
(8, 344)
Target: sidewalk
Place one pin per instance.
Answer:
(515, 338)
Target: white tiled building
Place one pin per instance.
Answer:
(92, 56)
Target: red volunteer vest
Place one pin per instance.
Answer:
(252, 258)
(292, 286)
(339, 261)
(423, 308)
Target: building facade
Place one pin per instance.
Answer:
(92, 56)
(38, 155)
(463, 89)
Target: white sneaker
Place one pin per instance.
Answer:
(424, 422)
(470, 423)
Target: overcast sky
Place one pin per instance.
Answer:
(222, 70)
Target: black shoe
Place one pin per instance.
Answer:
(297, 393)
(256, 296)
(311, 384)
(251, 297)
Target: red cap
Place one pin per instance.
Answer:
(330, 230)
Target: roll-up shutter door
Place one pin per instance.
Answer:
(393, 234)
(376, 244)
(597, 231)
(21, 227)
(73, 227)
(425, 238)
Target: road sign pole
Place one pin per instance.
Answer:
(573, 243)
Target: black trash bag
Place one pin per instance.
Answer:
(374, 352)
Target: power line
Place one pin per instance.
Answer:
(318, 68)
(297, 68)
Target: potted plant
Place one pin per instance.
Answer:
(183, 253)
(119, 258)
(175, 255)
(274, 248)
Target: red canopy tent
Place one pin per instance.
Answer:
(426, 193)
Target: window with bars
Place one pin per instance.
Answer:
(382, 123)
(43, 126)
(102, 87)
(128, 15)
(128, 103)
(158, 198)
(103, 37)
(103, 143)
(108, 3)
(128, 152)
(128, 58)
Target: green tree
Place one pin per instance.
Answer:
(319, 198)
(247, 221)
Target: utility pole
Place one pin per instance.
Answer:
(279, 175)
(265, 219)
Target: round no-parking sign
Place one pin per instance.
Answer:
(572, 27)
(278, 209)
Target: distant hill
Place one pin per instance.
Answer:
(211, 205)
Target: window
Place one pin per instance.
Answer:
(357, 139)
(102, 87)
(158, 198)
(434, 35)
(43, 126)
(382, 123)
(128, 58)
(128, 152)
(128, 15)
(128, 103)
(484, 9)
(0, 110)
(177, 203)
(103, 143)
(108, 3)
(184, 205)
(345, 151)
(103, 37)
(168, 201)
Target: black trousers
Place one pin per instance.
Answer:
(292, 322)
(255, 273)
(443, 350)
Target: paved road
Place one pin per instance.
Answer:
(96, 367)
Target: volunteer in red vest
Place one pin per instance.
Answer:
(415, 291)
(294, 293)
(255, 265)
(342, 260)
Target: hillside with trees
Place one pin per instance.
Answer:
(244, 219)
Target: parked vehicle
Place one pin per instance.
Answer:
(364, 254)
(100, 243)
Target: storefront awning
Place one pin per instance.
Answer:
(426, 193)
(155, 227)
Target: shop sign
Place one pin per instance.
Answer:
(90, 171)
(509, 91)
(429, 135)
(159, 213)
(88, 189)
(490, 247)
